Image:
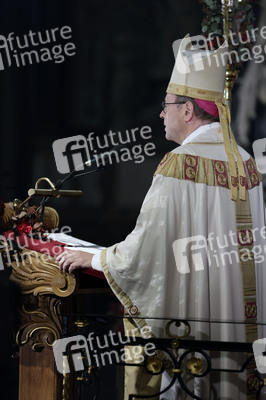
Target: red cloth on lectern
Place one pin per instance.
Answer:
(51, 247)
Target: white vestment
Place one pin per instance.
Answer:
(182, 258)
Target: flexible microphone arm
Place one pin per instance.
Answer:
(55, 191)
(55, 188)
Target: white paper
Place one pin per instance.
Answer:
(73, 243)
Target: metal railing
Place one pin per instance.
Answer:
(179, 354)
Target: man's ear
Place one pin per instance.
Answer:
(189, 111)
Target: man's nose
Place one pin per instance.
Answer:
(162, 114)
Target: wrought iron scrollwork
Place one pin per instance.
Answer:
(182, 357)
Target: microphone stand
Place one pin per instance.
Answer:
(58, 185)
(72, 174)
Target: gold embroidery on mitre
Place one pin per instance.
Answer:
(195, 93)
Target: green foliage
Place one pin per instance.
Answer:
(242, 18)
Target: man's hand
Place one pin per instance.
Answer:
(70, 260)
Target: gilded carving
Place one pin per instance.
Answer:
(40, 321)
(37, 273)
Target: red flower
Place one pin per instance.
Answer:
(2, 208)
(24, 228)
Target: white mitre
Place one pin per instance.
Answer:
(199, 73)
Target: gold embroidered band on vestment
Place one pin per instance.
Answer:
(204, 170)
(122, 296)
(247, 264)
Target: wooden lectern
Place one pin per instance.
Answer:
(46, 293)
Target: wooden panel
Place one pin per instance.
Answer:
(38, 378)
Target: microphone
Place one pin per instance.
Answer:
(105, 159)
(54, 193)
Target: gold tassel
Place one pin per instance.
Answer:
(240, 164)
(223, 114)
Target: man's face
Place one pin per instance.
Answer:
(173, 116)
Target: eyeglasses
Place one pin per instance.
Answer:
(164, 105)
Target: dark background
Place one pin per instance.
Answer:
(115, 81)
